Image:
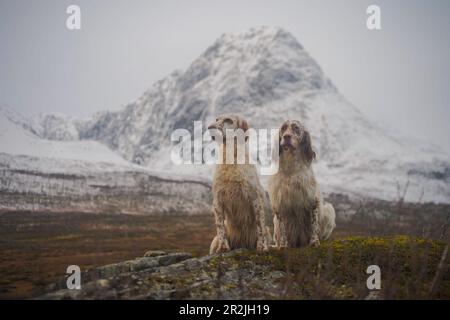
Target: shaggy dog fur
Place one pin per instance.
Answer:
(301, 217)
(238, 203)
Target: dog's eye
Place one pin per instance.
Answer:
(283, 127)
(228, 120)
(296, 128)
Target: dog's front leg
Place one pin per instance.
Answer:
(315, 228)
(280, 233)
(222, 241)
(283, 233)
(261, 242)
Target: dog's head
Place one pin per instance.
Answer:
(228, 123)
(295, 138)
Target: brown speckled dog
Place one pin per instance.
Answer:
(301, 217)
(238, 203)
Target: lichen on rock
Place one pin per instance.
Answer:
(334, 270)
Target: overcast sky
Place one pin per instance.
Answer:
(399, 76)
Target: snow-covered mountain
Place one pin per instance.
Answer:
(265, 75)
(15, 139)
(63, 176)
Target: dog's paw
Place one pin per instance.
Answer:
(223, 246)
(314, 242)
(281, 245)
(262, 246)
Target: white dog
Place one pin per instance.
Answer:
(238, 195)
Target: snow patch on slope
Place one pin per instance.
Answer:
(15, 140)
(265, 75)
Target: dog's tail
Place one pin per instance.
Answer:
(269, 236)
(327, 221)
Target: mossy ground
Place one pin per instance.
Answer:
(37, 247)
(336, 269)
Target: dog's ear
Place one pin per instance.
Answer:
(242, 124)
(306, 146)
(280, 135)
(280, 149)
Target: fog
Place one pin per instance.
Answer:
(399, 76)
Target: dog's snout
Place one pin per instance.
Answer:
(287, 137)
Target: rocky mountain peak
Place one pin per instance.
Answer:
(254, 67)
(265, 75)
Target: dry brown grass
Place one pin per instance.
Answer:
(37, 247)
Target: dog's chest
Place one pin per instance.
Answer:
(293, 194)
(235, 192)
(235, 184)
(293, 198)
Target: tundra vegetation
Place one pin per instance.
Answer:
(408, 242)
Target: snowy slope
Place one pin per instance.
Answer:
(16, 140)
(85, 176)
(265, 75)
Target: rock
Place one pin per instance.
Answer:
(334, 270)
(154, 253)
(373, 295)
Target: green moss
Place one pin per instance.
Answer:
(408, 265)
(335, 269)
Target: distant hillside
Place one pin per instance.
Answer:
(267, 76)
